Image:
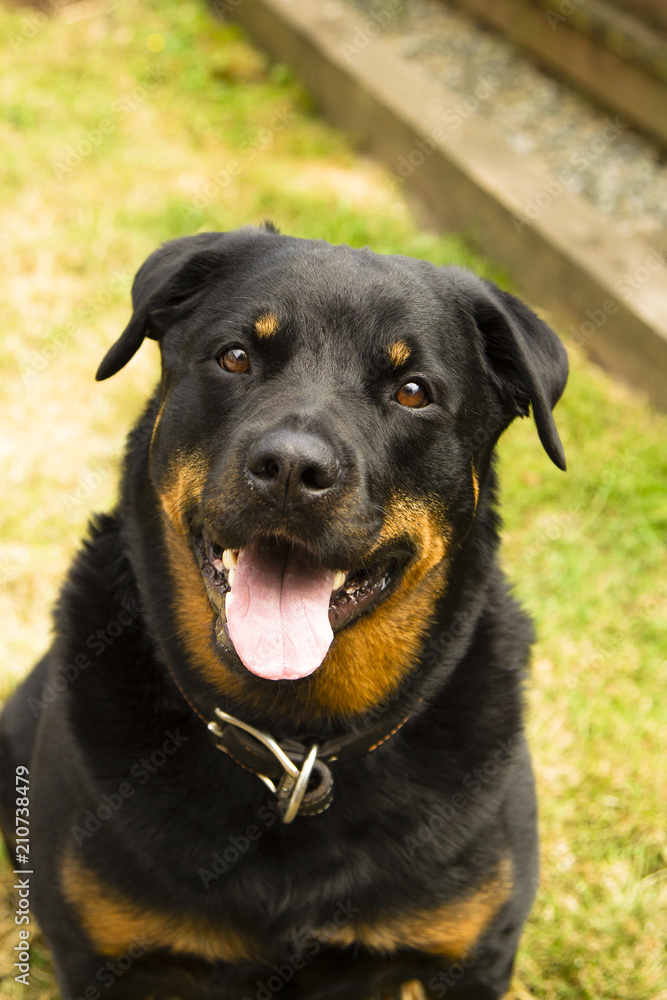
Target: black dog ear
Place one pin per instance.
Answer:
(171, 275)
(527, 361)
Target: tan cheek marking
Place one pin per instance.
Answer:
(163, 403)
(193, 614)
(369, 659)
(194, 617)
(266, 325)
(114, 923)
(398, 353)
(413, 991)
(185, 479)
(475, 484)
(451, 930)
(415, 519)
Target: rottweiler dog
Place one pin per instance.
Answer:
(276, 748)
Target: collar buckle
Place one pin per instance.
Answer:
(291, 788)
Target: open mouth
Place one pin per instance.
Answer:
(277, 609)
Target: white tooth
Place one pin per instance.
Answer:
(231, 573)
(230, 558)
(339, 579)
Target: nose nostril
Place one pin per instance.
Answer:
(313, 479)
(272, 468)
(300, 467)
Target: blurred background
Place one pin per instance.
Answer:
(525, 140)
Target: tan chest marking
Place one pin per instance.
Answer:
(114, 923)
(450, 930)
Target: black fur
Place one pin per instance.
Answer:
(420, 822)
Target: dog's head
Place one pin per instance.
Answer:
(324, 430)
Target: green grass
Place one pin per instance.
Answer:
(197, 130)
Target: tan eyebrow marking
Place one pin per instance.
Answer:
(266, 325)
(398, 352)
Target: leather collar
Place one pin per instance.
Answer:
(297, 773)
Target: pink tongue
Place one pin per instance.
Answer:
(278, 612)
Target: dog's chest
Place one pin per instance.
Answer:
(116, 923)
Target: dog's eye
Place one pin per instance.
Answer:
(412, 394)
(235, 360)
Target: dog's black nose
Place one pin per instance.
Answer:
(292, 465)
